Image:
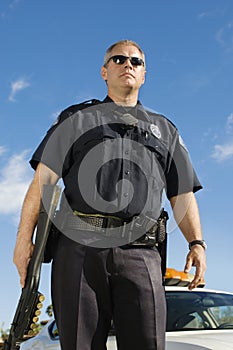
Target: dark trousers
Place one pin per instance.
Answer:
(92, 286)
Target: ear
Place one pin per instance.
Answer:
(104, 73)
(144, 77)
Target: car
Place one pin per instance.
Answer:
(48, 339)
(196, 319)
(199, 319)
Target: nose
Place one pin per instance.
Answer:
(128, 63)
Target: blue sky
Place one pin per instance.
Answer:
(51, 54)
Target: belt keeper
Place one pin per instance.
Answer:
(105, 223)
(123, 229)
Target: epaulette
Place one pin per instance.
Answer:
(66, 113)
(155, 114)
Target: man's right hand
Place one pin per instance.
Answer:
(22, 255)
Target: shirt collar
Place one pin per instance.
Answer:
(137, 111)
(108, 99)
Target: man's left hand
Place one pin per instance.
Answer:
(196, 257)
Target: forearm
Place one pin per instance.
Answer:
(31, 204)
(29, 217)
(30, 212)
(186, 213)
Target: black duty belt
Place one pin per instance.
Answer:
(148, 227)
(95, 222)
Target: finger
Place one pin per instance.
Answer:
(188, 265)
(194, 283)
(197, 278)
(23, 274)
(22, 281)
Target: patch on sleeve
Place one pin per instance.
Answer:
(181, 141)
(56, 121)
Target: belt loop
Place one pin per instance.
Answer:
(105, 222)
(123, 229)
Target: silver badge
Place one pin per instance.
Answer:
(155, 131)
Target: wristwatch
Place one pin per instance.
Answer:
(200, 242)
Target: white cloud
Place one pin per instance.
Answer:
(2, 150)
(17, 86)
(210, 13)
(13, 4)
(223, 152)
(15, 177)
(55, 115)
(224, 36)
(229, 124)
(204, 14)
(219, 36)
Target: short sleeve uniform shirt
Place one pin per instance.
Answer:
(116, 161)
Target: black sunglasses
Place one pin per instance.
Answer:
(120, 59)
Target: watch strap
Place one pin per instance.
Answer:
(197, 241)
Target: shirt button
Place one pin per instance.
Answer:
(126, 194)
(126, 152)
(127, 172)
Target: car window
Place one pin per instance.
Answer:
(190, 321)
(223, 315)
(198, 310)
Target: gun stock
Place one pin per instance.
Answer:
(31, 299)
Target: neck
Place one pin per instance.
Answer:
(129, 100)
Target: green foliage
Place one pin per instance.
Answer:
(49, 310)
(4, 332)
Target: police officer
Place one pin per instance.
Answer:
(115, 158)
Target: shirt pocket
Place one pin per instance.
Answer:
(158, 150)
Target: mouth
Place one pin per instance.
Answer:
(127, 74)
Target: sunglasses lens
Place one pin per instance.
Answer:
(119, 59)
(136, 61)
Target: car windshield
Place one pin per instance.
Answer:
(198, 310)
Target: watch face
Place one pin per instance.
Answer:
(204, 244)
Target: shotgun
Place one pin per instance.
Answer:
(31, 299)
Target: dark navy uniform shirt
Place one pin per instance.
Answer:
(116, 160)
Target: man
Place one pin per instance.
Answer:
(115, 158)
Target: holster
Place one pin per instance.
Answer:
(156, 234)
(156, 237)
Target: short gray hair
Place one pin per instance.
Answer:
(122, 42)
